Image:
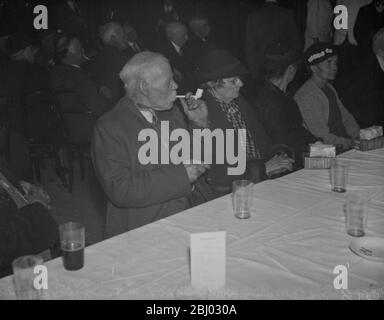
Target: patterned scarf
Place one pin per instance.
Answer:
(234, 117)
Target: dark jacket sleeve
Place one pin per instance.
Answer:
(29, 230)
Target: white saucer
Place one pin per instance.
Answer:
(368, 248)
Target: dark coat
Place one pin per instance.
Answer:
(181, 63)
(138, 194)
(217, 175)
(84, 97)
(195, 48)
(28, 230)
(368, 22)
(105, 67)
(131, 52)
(269, 25)
(282, 119)
(362, 93)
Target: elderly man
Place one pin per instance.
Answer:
(362, 91)
(323, 113)
(176, 36)
(141, 193)
(198, 43)
(106, 65)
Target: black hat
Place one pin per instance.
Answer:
(279, 57)
(318, 52)
(17, 42)
(218, 64)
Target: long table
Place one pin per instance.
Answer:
(288, 249)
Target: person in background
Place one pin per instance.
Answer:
(362, 90)
(319, 22)
(323, 113)
(134, 45)
(104, 67)
(278, 111)
(172, 47)
(369, 20)
(26, 225)
(199, 42)
(269, 25)
(68, 76)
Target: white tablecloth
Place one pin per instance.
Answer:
(288, 249)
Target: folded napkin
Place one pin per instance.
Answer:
(371, 133)
(319, 149)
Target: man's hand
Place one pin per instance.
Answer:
(195, 110)
(194, 171)
(278, 164)
(36, 194)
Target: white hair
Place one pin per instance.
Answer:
(138, 68)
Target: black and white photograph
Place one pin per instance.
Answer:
(210, 151)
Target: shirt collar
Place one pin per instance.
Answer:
(178, 48)
(381, 62)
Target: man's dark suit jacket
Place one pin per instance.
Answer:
(282, 119)
(181, 63)
(138, 193)
(269, 25)
(362, 93)
(29, 230)
(195, 48)
(78, 22)
(131, 52)
(105, 67)
(84, 97)
(368, 22)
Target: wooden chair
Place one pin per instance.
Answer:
(43, 130)
(78, 127)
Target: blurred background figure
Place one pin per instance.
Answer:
(369, 20)
(106, 65)
(319, 22)
(269, 25)
(134, 44)
(172, 47)
(345, 40)
(199, 42)
(362, 89)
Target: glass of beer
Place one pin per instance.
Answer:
(72, 240)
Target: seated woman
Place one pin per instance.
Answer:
(26, 226)
(278, 111)
(218, 72)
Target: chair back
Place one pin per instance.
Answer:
(9, 106)
(78, 123)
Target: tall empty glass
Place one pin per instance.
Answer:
(24, 277)
(242, 198)
(72, 239)
(339, 175)
(356, 214)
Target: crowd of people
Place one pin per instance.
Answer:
(287, 92)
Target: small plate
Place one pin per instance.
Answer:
(368, 248)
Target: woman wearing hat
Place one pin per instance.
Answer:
(219, 73)
(323, 113)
